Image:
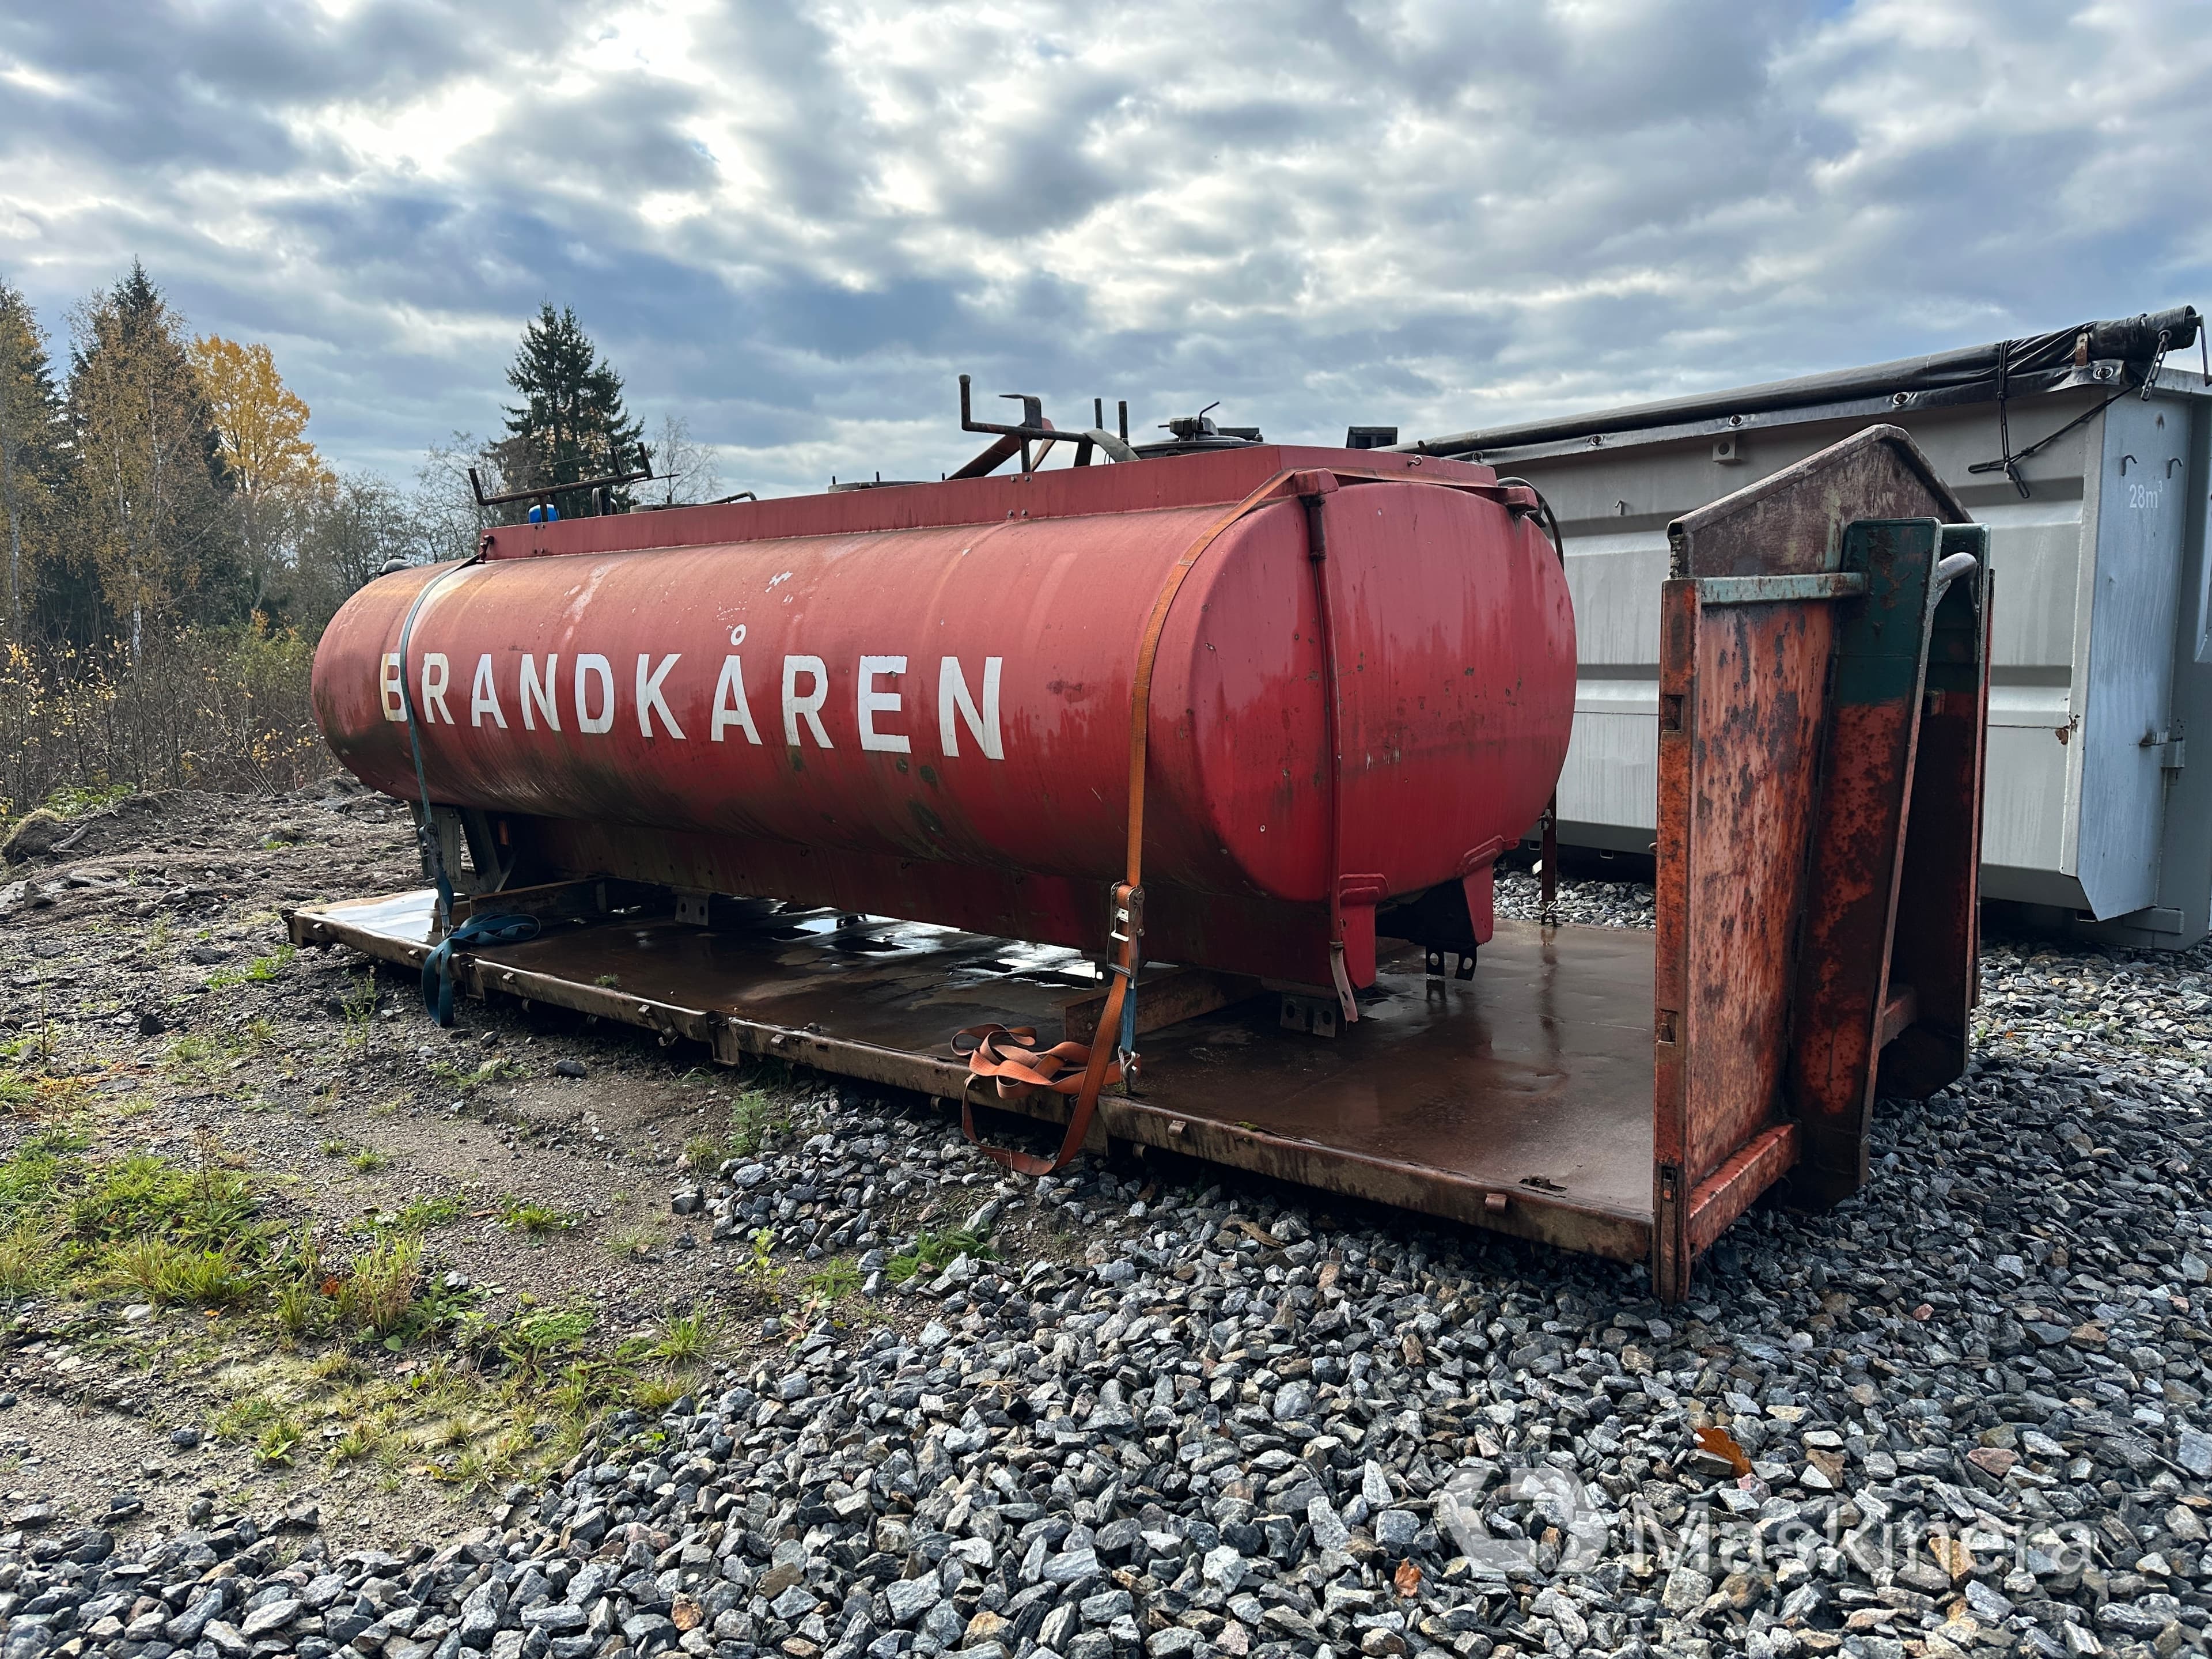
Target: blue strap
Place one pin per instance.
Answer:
(427, 833)
(438, 966)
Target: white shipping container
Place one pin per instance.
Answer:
(2103, 650)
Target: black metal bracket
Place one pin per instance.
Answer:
(546, 492)
(1034, 429)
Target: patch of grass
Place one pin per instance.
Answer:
(537, 1336)
(28, 1184)
(834, 1281)
(142, 1222)
(690, 1340)
(368, 1160)
(357, 1006)
(246, 1416)
(755, 1119)
(420, 1215)
(60, 1138)
(450, 1433)
(211, 1207)
(640, 1238)
(275, 1442)
(28, 1262)
(336, 1147)
(171, 1274)
(196, 1060)
(491, 1399)
(300, 1309)
(376, 1296)
(259, 971)
(467, 1080)
(704, 1154)
(933, 1252)
(37, 1094)
(74, 800)
(528, 1216)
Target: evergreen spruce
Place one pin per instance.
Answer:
(571, 424)
(33, 456)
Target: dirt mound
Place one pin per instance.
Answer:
(33, 836)
(40, 834)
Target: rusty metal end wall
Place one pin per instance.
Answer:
(1808, 841)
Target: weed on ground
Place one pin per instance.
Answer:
(756, 1118)
(933, 1252)
(488, 1399)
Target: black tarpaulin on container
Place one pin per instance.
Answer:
(1962, 375)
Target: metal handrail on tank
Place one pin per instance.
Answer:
(1034, 428)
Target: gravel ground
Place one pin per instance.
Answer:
(1183, 1413)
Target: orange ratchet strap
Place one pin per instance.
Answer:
(990, 1057)
(1010, 1057)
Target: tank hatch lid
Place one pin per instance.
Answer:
(1194, 435)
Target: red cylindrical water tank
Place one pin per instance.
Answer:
(934, 721)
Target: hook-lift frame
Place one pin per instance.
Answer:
(1824, 687)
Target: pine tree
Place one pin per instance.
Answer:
(147, 504)
(33, 451)
(571, 424)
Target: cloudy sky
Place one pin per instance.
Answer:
(795, 224)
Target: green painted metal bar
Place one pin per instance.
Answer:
(1775, 590)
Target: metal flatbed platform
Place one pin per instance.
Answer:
(1823, 693)
(1519, 1100)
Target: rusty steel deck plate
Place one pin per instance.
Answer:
(1519, 1100)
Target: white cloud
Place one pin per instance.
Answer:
(797, 227)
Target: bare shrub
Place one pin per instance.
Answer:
(202, 708)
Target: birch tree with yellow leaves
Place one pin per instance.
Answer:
(278, 480)
(147, 505)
